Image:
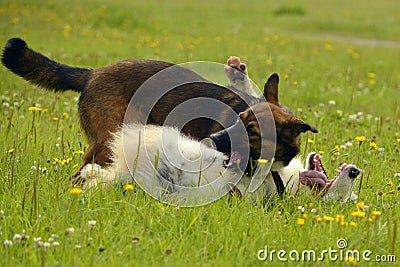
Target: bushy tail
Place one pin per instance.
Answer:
(40, 70)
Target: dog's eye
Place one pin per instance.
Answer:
(242, 67)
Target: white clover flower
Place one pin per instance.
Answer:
(348, 143)
(46, 244)
(332, 103)
(92, 223)
(314, 210)
(70, 231)
(17, 238)
(78, 246)
(352, 117)
(56, 244)
(8, 243)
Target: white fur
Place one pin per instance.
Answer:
(164, 162)
(341, 189)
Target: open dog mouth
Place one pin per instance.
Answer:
(315, 175)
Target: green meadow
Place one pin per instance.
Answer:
(339, 68)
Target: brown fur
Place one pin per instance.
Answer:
(106, 92)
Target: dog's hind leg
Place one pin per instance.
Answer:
(99, 154)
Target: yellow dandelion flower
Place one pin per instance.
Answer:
(390, 183)
(358, 214)
(320, 219)
(45, 110)
(360, 205)
(372, 82)
(328, 47)
(75, 165)
(14, 20)
(310, 141)
(66, 31)
(398, 139)
(286, 76)
(321, 152)
(55, 119)
(295, 83)
(339, 218)
(370, 219)
(79, 152)
(352, 260)
(350, 51)
(11, 150)
(266, 40)
(361, 139)
(65, 115)
(180, 45)
(353, 224)
(129, 187)
(371, 75)
(376, 213)
(355, 55)
(268, 61)
(328, 218)
(305, 216)
(262, 161)
(337, 148)
(300, 221)
(75, 191)
(34, 109)
(344, 224)
(373, 145)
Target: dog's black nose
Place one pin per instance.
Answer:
(354, 172)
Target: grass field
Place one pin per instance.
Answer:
(340, 71)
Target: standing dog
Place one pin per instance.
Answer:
(106, 93)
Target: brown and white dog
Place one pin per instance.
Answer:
(106, 94)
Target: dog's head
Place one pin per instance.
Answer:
(266, 125)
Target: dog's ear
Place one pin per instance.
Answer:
(300, 126)
(271, 89)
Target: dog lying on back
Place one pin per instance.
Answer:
(171, 166)
(104, 104)
(310, 177)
